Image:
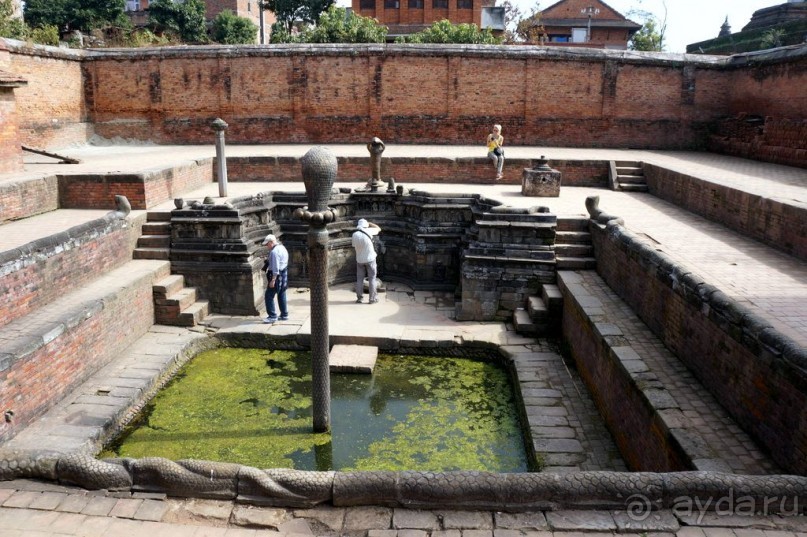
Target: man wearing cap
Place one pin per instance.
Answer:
(365, 258)
(277, 275)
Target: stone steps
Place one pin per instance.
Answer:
(542, 314)
(177, 305)
(627, 176)
(155, 241)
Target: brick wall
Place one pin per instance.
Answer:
(50, 108)
(31, 385)
(418, 170)
(777, 222)
(759, 375)
(37, 273)
(20, 199)
(767, 105)
(143, 190)
(403, 95)
(643, 439)
(10, 152)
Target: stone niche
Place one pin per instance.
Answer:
(541, 181)
(491, 256)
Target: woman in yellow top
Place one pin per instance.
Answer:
(495, 151)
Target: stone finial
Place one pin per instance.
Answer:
(376, 148)
(219, 125)
(319, 173)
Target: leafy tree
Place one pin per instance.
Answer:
(46, 35)
(69, 15)
(186, 20)
(772, 38)
(10, 25)
(647, 38)
(287, 12)
(337, 26)
(445, 32)
(230, 29)
(650, 36)
(529, 29)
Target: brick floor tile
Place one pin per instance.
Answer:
(151, 510)
(125, 508)
(21, 499)
(47, 500)
(99, 506)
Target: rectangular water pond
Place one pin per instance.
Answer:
(253, 407)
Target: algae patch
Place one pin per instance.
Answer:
(253, 407)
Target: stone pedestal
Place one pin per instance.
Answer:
(540, 182)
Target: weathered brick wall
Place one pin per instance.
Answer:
(423, 169)
(31, 385)
(37, 273)
(50, 107)
(643, 440)
(767, 106)
(404, 95)
(772, 221)
(759, 375)
(98, 191)
(10, 151)
(20, 199)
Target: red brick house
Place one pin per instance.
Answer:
(410, 16)
(586, 23)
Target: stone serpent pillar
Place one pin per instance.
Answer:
(319, 173)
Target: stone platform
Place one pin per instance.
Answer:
(353, 359)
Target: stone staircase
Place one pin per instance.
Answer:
(155, 242)
(627, 176)
(542, 314)
(177, 305)
(573, 248)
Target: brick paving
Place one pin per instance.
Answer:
(25, 513)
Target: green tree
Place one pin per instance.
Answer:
(647, 38)
(445, 32)
(772, 38)
(69, 15)
(185, 20)
(230, 29)
(336, 25)
(529, 29)
(287, 12)
(650, 36)
(11, 26)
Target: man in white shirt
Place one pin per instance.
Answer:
(277, 275)
(365, 258)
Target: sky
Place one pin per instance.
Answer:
(688, 21)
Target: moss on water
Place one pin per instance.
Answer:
(253, 407)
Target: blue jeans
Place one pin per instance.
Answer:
(498, 161)
(279, 291)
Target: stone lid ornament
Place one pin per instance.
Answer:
(543, 164)
(319, 173)
(219, 124)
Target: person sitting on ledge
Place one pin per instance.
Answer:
(495, 142)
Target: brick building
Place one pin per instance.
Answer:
(250, 9)
(586, 23)
(404, 17)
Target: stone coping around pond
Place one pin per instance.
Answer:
(641, 491)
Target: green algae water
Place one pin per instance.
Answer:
(253, 407)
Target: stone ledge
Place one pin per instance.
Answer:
(413, 490)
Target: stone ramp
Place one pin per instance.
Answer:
(93, 412)
(75, 334)
(565, 427)
(680, 404)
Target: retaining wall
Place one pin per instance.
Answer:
(98, 191)
(779, 222)
(759, 375)
(425, 169)
(61, 348)
(51, 109)
(38, 272)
